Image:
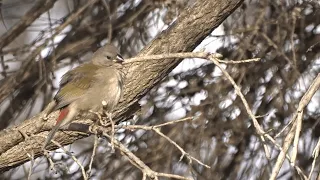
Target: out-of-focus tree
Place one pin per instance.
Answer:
(42, 39)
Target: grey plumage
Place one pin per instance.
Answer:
(86, 86)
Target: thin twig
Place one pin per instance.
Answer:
(31, 157)
(287, 142)
(288, 157)
(46, 154)
(147, 172)
(296, 138)
(112, 131)
(95, 145)
(184, 153)
(201, 55)
(107, 7)
(156, 130)
(173, 122)
(258, 128)
(283, 129)
(315, 155)
(240, 61)
(85, 177)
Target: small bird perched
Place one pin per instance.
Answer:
(85, 87)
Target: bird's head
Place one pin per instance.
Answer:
(107, 55)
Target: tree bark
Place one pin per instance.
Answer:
(190, 28)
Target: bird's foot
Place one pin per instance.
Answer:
(98, 114)
(105, 122)
(109, 115)
(93, 129)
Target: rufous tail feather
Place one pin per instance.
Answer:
(63, 113)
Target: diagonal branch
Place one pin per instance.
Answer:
(190, 28)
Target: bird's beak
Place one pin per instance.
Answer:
(119, 58)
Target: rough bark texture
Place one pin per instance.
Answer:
(191, 27)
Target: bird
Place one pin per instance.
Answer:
(94, 86)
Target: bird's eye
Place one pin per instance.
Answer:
(108, 57)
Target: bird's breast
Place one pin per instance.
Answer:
(108, 88)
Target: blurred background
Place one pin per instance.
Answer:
(64, 33)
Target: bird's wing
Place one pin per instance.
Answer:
(74, 84)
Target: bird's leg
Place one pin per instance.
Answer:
(104, 123)
(93, 127)
(98, 114)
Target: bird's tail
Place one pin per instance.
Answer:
(65, 116)
(52, 133)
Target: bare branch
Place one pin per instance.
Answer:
(182, 36)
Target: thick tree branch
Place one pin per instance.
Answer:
(191, 27)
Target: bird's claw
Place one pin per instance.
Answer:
(106, 121)
(101, 119)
